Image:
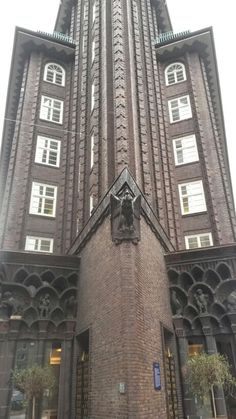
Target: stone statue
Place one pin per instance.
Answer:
(175, 304)
(201, 301)
(125, 216)
(21, 357)
(70, 307)
(9, 306)
(44, 306)
(231, 304)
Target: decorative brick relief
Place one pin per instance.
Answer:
(120, 88)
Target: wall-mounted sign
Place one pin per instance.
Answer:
(157, 375)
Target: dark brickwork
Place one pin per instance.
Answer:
(122, 300)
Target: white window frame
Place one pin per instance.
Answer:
(195, 195)
(49, 108)
(34, 244)
(40, 199)
(94, 12)
(44, 148)
(91, 204)
(175, 72)
(198, 237)
(92, 96)
(55, 70)
(93, 50)
(188, 143)
(184, 109)
(92, 151)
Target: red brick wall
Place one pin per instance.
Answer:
(123, 297)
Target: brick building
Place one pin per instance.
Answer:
(117, 216)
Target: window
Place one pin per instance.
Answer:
(198, 240)
(51, 109)
(54, 73)
(48, 151)
(175, 73)
(93, 50)
(91, 204)
(92, 96)
(94, 12)
(192, 197)
(185, 150)
(92, 152)
(43, 199)
(179, 109)
(39, 244)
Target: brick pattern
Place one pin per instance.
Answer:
(18, 198)
(122, 303)
(12, 161)
(142, 102)
(95, 117)
(120, 88)
(82, 69)
(220, 149)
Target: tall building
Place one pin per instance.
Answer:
(117, 216)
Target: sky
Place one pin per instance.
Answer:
(185, 14)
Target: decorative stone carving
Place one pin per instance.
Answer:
(125, 217)
(9, 306)
(201, 301)
(231, 304)
(44, 306)
(175, 304)
(71, 307)
(21, 356)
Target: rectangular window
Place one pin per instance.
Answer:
(39, 244)
(185, 150)
(92, 152)
(43, 199)
(92, 96)
(192, 197)
(93, 50)
(198, 240)
(51, 109)
(94, 12)
(48, 151)
(91, 204)
(179, 109)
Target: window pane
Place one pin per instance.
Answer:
(205, 241)
(47, 151)
(192, 197)
(192, 242)
(39, 244)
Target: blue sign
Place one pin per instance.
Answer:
(157, 375)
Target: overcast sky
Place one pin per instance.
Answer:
(185, 14)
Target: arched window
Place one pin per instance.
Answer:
(54, 73)
(175, 73)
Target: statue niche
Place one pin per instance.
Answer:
(44, 306)
(201, 301)
(125, 217)
(9, 306)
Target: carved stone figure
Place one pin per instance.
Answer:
(70, 307)
(44, 306)
(21, 356)
(201, 301)
(9, 306)
(125, 216)
(231, 304)
(175, 304)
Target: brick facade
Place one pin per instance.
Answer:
(114, 54)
